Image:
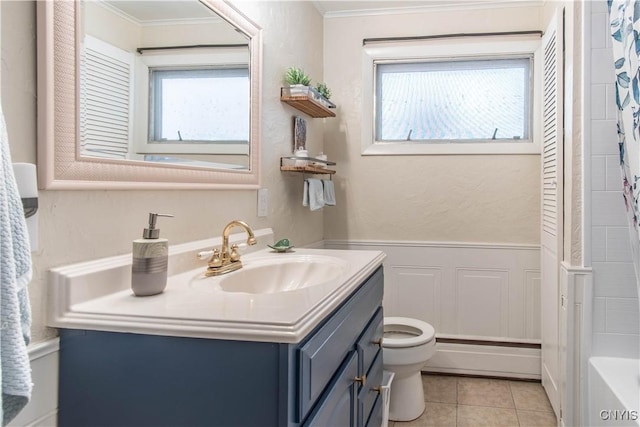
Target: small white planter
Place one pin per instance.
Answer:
(298, 90)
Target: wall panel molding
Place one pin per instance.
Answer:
(487, 294)
(42, 409)
(469, 282)
(577, 289)
(482, 294)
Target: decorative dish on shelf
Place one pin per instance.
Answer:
(281, 246)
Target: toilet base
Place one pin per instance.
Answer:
(406, 401)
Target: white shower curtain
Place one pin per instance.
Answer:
(625, 32)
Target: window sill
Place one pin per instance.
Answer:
(456, 148)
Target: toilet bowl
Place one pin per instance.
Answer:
(406, 347)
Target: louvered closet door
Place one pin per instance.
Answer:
(552, 208)
(105, 113)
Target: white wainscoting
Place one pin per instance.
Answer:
(488, 294)
(576, 285)
(42, 410)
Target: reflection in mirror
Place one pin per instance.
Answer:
(163, 81)
(144, 141)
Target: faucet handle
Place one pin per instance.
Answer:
(204, 254)
(215, 260)
(235, 255)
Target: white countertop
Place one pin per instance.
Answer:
(189, 307)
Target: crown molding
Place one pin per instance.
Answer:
(464, 5)
(158, 22)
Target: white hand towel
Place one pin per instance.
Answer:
(305, 194)
(329, 192)
(316, 194)
(15, 274)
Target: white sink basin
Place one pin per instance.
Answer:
(275, 297)
(272, 275)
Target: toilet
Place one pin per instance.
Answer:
(406, 347)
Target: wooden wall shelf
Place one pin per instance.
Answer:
(306, 104)
(312, 169)
(307, 169)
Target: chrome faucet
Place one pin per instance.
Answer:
(227, 260)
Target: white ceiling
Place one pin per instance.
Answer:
(146, 11)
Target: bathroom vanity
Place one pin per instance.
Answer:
(121, 365)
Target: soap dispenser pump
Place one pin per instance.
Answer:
(150, 260)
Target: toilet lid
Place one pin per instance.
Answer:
(406, 332)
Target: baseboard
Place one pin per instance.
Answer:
(42, 409)
(485, 360)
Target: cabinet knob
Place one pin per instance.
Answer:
(362, 380)
(377, 342)
(377, 389)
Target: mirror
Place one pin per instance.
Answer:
(148, 94)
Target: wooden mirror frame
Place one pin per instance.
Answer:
(59, 162)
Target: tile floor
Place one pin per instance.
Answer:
(465, 401)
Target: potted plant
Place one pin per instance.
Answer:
(324, 90)
(298, 81)
(325, 93)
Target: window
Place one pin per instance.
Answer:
(439, 101)
(199, 105)
(451, 96)
(187, 101)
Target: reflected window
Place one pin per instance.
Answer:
(199, 105)
(455, 100)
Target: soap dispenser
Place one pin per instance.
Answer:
(150, 260)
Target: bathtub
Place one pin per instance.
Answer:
(614, 392)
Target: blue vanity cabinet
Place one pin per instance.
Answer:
(339, 407)
(330, 378)
(355, 390)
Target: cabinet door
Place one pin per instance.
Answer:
(375, 419)
(369, 392)
(338, 408)
(329, 346)
(370, 342)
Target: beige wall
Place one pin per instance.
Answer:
(490, 198)
(83, 225)
(110, 27)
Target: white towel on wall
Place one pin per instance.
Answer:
(15, 275)
(305, 194)
(316, 194)
(329, 192)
